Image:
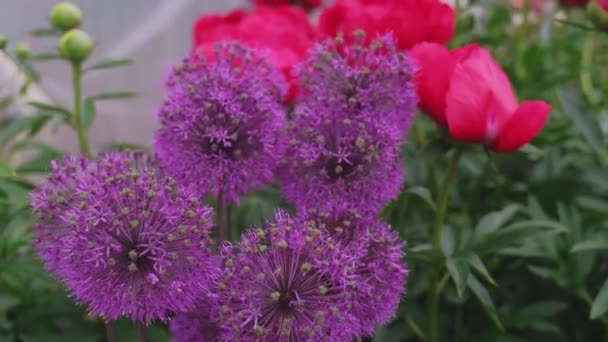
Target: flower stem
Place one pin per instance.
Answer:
(110, 337)
(81, 131)
(219, 214)
(142, 333)
(232, 234)
(436, 281)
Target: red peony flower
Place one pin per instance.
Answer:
(468, 92)
(574, 2)
(308, 4)
(411, 21)
(284, 31)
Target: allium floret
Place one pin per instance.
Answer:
(222, 122)
(195, 326)
(135, 244)
(352, 116)
(287, 282)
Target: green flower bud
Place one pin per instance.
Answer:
(75, 45)
(598, 15)
(22, 50)
(3, 41)
(65, 16)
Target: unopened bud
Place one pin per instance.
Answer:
(65, 16)
(22, 51)
(75, 45)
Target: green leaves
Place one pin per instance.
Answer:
(109, 63)
(485, 300)
(600, 303)
(89, 106)
(5, 170)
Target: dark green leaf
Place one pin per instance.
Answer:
(32, 124)
(486, 301)
(459, 271)
(52, 108)
(114, 95)
(573, 106)
(600, 303)
(5, 170)
(475, 261)
(424, 194)
(89, 113)
(596, 244)
(492, 221)
(109, 63)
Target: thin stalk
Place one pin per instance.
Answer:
(110, 337)
(83, 140)
(219, 214)
(436, 280)
(232, 233)
(142, 333)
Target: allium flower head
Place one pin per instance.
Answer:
(287, 282)
(380, 270)
(195, 326)
(222, 122)
(51, 200)
(136, 244)
(354, 111)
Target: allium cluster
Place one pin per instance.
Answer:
(134, 243)
(222, 122)
(380, 266)
(353, 114)
(287, 282)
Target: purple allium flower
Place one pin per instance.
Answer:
(51, 200)
(135, 244)
(287, 282)
(381, 269)
(195, 326)
(222, 122)
(353, 113)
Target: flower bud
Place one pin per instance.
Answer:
(597, 10)
(75, 45)
(22, 50)
(3, 41)
(65, 16)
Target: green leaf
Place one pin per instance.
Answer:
(424, 194)
(459, 271)
(7, 302)
(6, 101)
(109, 63)
(596, 244)
(5, 170)
(475, 261)
(47, 56)
(600, 303)
(573, 106)
(492, 221)
(45, 32)
(52, 108)
(486, 301)
(114, 95)
(89, 113)
(30, 123)
(592, 204)
(41, 162)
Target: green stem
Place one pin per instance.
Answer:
(81, 131)
(110, 337)
(219, 214)
(142, 333)
(436, 280)
(586, 65)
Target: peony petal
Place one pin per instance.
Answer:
(480, 99)
(527, 121)
(433, 78)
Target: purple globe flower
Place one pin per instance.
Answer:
(222, 122)
(287, 282)
(135, 244)
(354, 110)
(51, 200)
(380, 266)
(196, 326)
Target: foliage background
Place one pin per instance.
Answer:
(526, 249)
